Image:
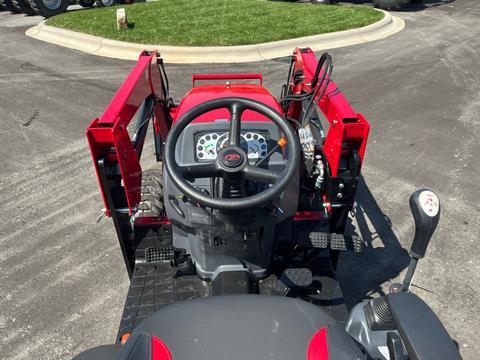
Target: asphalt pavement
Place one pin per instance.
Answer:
(62, 277)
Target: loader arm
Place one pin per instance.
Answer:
(116, 153)
(345, 140)
(346, 126)
(108, 136)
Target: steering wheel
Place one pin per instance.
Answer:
(232, 160)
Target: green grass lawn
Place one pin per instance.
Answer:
(217, 22)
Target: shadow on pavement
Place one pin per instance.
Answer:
(420, 5)
(361, 275)
(415, 5)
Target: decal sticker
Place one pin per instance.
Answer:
(429, 203)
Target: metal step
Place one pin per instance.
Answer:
(158, 254)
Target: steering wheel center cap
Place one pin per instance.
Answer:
(231, 158)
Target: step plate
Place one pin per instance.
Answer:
(156, 254)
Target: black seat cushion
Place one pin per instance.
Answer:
(237, 327)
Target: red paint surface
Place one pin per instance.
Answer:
(160, 350)
(309, 215)
(148, 220)
(200, 94)
(223, 77)
(318, 346)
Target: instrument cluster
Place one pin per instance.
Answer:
(208, 144)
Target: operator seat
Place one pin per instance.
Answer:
(237, 327)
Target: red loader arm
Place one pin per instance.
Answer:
(343, 147)
(108, 137)
(348, 130)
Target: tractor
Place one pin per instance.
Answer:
(49, 8)
(390, 5)
(232, 238)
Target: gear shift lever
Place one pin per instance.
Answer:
(425, 207)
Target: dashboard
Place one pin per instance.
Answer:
(254, 143)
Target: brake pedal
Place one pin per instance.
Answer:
(317, 240)
(346, 242)
(298, 277)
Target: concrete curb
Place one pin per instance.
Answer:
(388, 26)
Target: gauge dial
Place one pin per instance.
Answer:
(207, 146)
(257, 145)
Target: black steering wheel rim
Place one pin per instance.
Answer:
(236, 105)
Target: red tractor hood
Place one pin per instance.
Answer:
(201, 94)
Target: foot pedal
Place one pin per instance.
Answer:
(156, 254)
(317, 240)
(346, 242)
(297, 278)
(321, 240)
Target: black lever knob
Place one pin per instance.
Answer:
(425, 207)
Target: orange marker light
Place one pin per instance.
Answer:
(282, 142)
(124, 338)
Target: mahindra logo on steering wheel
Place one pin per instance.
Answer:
(232, 157)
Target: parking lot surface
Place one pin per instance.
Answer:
(62, 278)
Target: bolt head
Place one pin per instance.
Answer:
(396, 288)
